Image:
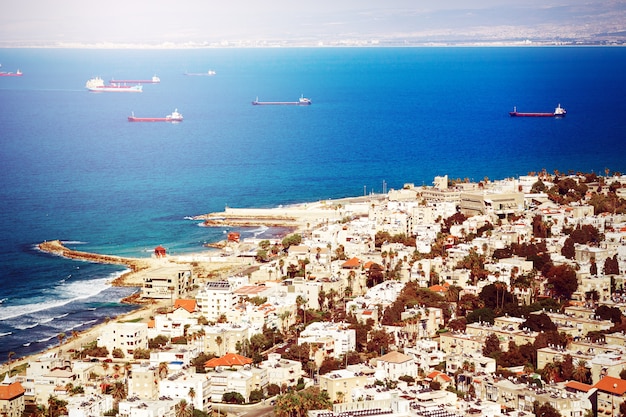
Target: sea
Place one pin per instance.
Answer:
(73, 168)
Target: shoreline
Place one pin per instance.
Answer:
(204, 266)
(297, 218)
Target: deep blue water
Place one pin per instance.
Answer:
(74, 169)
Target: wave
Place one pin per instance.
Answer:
(5, 334)
(26, 344)
(73, 242)
(2, 300)
(26, 327)
(260, 230)
(46, 339)
(73, 291)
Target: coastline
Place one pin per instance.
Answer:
(296, 218)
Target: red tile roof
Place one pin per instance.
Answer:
(438, 288)
(189, 305)
(368, 264)
(11, 391)
(228, 360)
(612, 385)
(578, 386)
(437, 374)
(352, 263)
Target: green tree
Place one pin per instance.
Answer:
(56, 407)
(539, 323)
(233, 398)
(545, 410)
(492, 346)
(297, 404)
(291, 240)
(256, 395)
(562, 279)
(379, 341)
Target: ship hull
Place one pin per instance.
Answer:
(134, 82)
(280, 103)
(113, 89)
(10, 74)
(518, 114)
(153, 119)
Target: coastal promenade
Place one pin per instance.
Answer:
(298, 216)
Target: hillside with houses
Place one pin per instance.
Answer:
(490, 298)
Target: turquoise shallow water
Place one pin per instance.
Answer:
(74, 169)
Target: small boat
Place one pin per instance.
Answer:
(558, 112)
(303, 101)
(175, 117)
(96, 84)
(153, 80)
(11, 74)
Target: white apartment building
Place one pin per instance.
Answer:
(88, 405)
(215, 299)
(395, 364)
(426, 354)
(180, 384)
(133, 407)
(176, 356)
(282, 371)
(221, 338)
(168, 282)
(124, 336)
(243, 381)
(335, 338)
(342, 384)
(143, 381)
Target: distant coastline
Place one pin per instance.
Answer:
(524, 43)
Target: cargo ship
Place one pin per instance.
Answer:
(153, 80)
(303, 101)
(11, 74)
(175, 117)
(558, 112)
(97, 85)
(208, 73)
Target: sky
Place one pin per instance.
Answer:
(209, 21)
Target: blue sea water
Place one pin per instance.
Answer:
(74, 169)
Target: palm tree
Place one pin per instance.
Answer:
(284, 317)
(192, 396)
(340, 396)
(118, 391)
(163, 370)
(182, 409)
(580, 373)
(127, 368)
(56, 407)
(9, 357)
(218, 341)
(61, 337)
